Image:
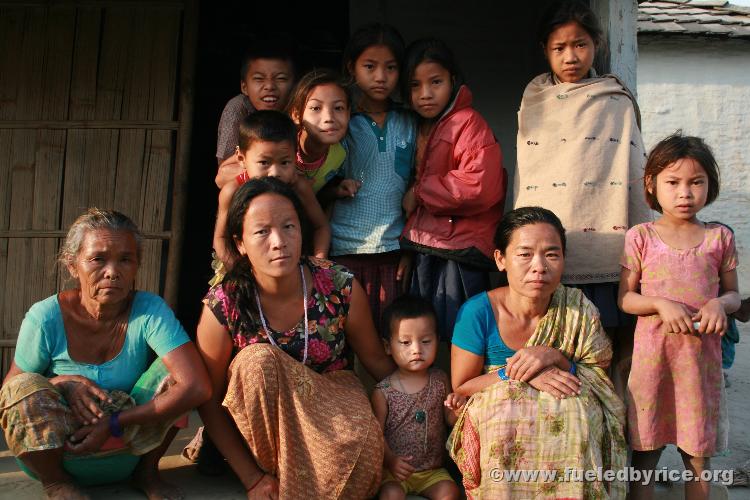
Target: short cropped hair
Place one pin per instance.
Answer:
(406, 307)
(267, 48)
(266, 125)
(674, 148)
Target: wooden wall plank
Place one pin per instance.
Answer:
(156, 191)
(11, 34)
(130, 162)
(23, 144)
(6, 143)
(164, 64)
(85, 64)
(149, 275)
(89, 174)
(160, 149)
(115, 51)
(83, 148)
(31, 64)
(7, 358)
(58, 61)
(135, 98)
(6, 139)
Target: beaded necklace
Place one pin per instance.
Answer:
(420, 415)
(304, 307)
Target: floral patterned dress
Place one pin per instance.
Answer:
(675, 385)
(310, 426)
(327, 308)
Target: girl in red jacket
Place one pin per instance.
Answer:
(457, 198)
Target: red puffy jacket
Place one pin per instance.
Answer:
(460, 185)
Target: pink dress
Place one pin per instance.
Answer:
(675, 384)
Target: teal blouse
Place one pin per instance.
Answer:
(42, 345)
(476, 331)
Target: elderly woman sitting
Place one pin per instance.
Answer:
(80, 402)
(532, 356)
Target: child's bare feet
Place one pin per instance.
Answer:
(64, 491)
(154, 487)
(743, 313)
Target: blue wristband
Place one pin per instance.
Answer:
(501, 374)
(573, 368)
(115, 429)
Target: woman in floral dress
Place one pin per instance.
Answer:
(277, 336)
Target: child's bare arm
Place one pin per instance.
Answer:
(318, 219)
(347, 188)
(403, 270)
(712, 317)
(398, 466)
(228, 170)
(452, 406)
(675, 316)
(225, 198)
(379, 407)
(452, 402)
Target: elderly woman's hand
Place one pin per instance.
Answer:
(526, 363)
(83, 397)
(89, 438)
(557, 382)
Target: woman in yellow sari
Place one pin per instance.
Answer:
(532, 358)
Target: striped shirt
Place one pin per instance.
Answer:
(383, 160)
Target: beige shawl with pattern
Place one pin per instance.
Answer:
(580, 154)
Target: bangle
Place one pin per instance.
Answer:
(256, 483)
(501, 373)
(115, 429)
(573, 369)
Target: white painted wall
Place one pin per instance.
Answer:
(703, 87)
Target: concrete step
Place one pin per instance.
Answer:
(676, 491)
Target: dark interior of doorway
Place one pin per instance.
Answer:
(318, 30)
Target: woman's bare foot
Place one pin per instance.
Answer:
(64, 491)
(154, 487)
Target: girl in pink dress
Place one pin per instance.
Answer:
(679, 276)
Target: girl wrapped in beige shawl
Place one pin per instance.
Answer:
(580, 154)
